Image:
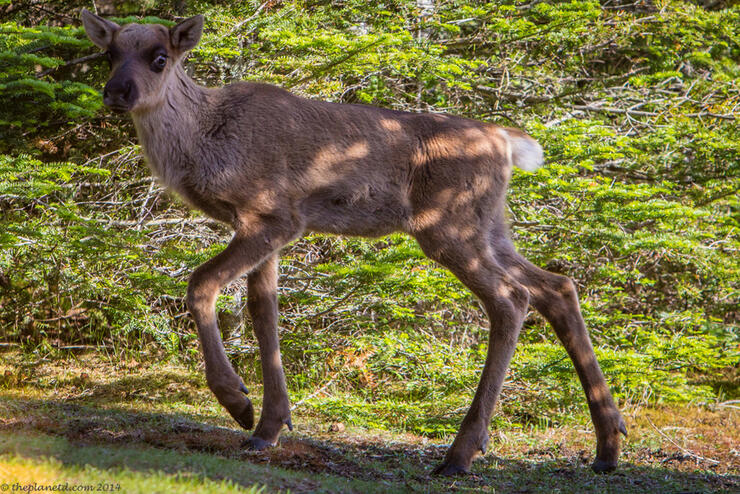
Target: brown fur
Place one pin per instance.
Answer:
(274, 165)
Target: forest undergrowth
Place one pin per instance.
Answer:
(636, 104)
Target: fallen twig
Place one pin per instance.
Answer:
(686, 451)
(320, 390)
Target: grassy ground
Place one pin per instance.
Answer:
(155, 427)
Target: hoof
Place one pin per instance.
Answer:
(254, 443)
(601, 466)
(245, 417)
(483, 447)
(622, 428)
(449, 469)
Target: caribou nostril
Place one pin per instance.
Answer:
(127, 89)
(120, 94)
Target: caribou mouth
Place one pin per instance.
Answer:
(118, 108)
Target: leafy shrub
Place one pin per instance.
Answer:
(636, 108)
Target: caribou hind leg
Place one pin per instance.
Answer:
(506, 302)
(555, 297)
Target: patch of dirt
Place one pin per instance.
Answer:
(696, 448)
(291, 453)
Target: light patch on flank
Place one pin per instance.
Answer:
(427, 218)
(357, 151)
(390, 125)
(331, 160)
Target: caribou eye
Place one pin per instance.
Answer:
(159, 62)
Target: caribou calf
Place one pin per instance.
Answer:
(274, 166)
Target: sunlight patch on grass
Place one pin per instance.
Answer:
(50, 471)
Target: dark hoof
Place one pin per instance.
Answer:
(623, 428)
(601, 466)
(245, 417)
(254, 443)
(449, 469)
(483, 447)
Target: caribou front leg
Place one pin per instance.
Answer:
(263, 308)
(254, 241)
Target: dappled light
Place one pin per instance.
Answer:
(94, 417)
(353, 247)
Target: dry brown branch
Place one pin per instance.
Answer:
(248, 19)
(639, 113)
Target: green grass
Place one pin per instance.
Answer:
(156, 427)
(43, 460)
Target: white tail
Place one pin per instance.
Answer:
(525, 152)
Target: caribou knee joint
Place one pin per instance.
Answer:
(198, 297)
(519, 298)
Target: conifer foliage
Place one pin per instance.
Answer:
(636, 106)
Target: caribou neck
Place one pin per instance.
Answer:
(168, 132)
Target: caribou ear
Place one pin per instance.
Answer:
(99, 30)
(186, 34)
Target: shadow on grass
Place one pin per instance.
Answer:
(113, 438)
